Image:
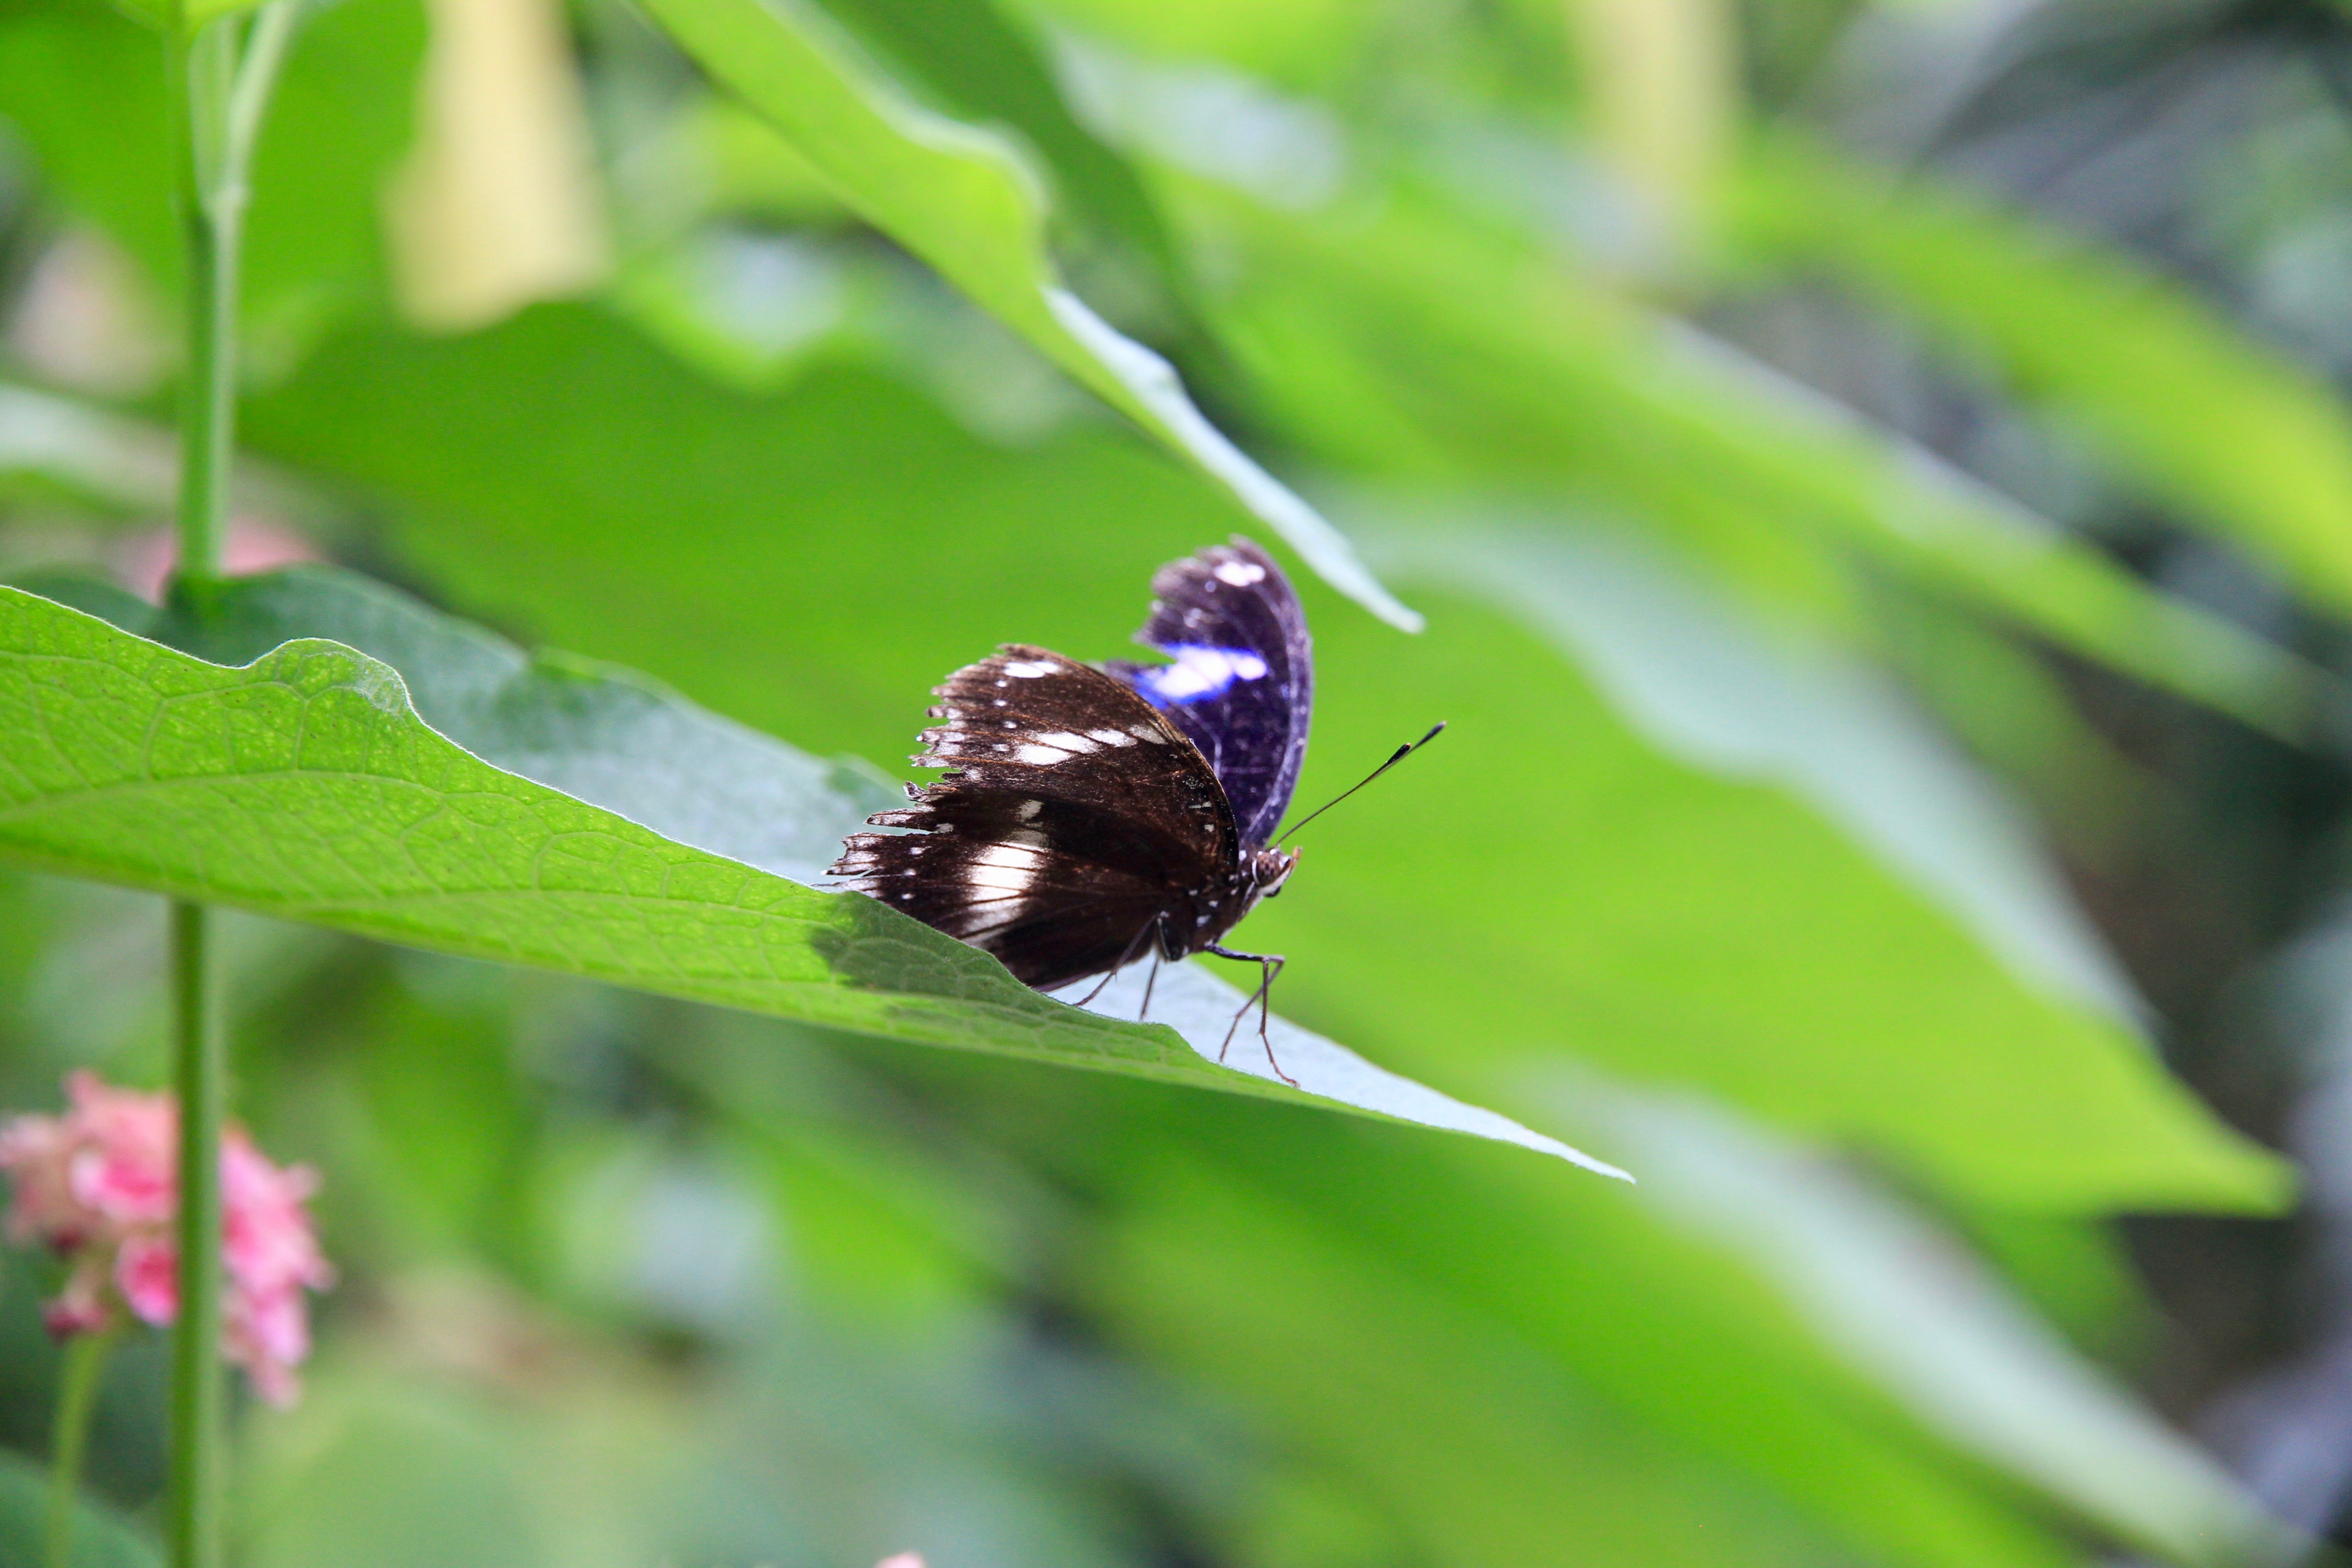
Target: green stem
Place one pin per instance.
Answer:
(69, 1436)
(197, 1381)
(219, 75)
(202, 67)
(219, 92)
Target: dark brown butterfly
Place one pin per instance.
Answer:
(1092, 817)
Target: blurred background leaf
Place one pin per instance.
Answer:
(965, 203)
(100, 1541)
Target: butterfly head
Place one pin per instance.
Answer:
(1269, 869)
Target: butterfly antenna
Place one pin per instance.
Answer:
(1401, 753)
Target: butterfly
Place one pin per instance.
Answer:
(1092, 817)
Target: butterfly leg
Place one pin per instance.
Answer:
(1124, 960)
(1151, 979)
(1269, 965)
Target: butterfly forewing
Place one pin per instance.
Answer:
(1073, 817)
(1241, 684)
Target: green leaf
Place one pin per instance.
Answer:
(1380, 1363)
(1756, 1325)
(100, 460)
(189, 16)
(961, 199)
(986, 68)
(376, 1471)
(304, 784)
(1415, 1326)
(84, 84)
(2233, 431)
(101, 1540)
(1928, 1323)
(1625, 909)
(1422, 349)
(1519, 1373)
(1706, 681)
(593, 731)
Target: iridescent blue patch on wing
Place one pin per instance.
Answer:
(1199, 674)
(1243, 684)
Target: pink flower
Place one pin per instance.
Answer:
(147, 1272)
(99, 1171)
(98, 1186)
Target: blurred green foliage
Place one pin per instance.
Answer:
(1887, 606)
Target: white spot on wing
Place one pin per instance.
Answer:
(1240, 573)
(1113, 737)
(1003, 868)
(1029, 810)
(1054, 746)
(1028, 669)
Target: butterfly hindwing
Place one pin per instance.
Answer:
(1241, 687)
(1073, 817)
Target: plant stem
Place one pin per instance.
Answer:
(219, 79)
(218, 95)
(200, 69)
(197, 1381)
(70, 1435)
